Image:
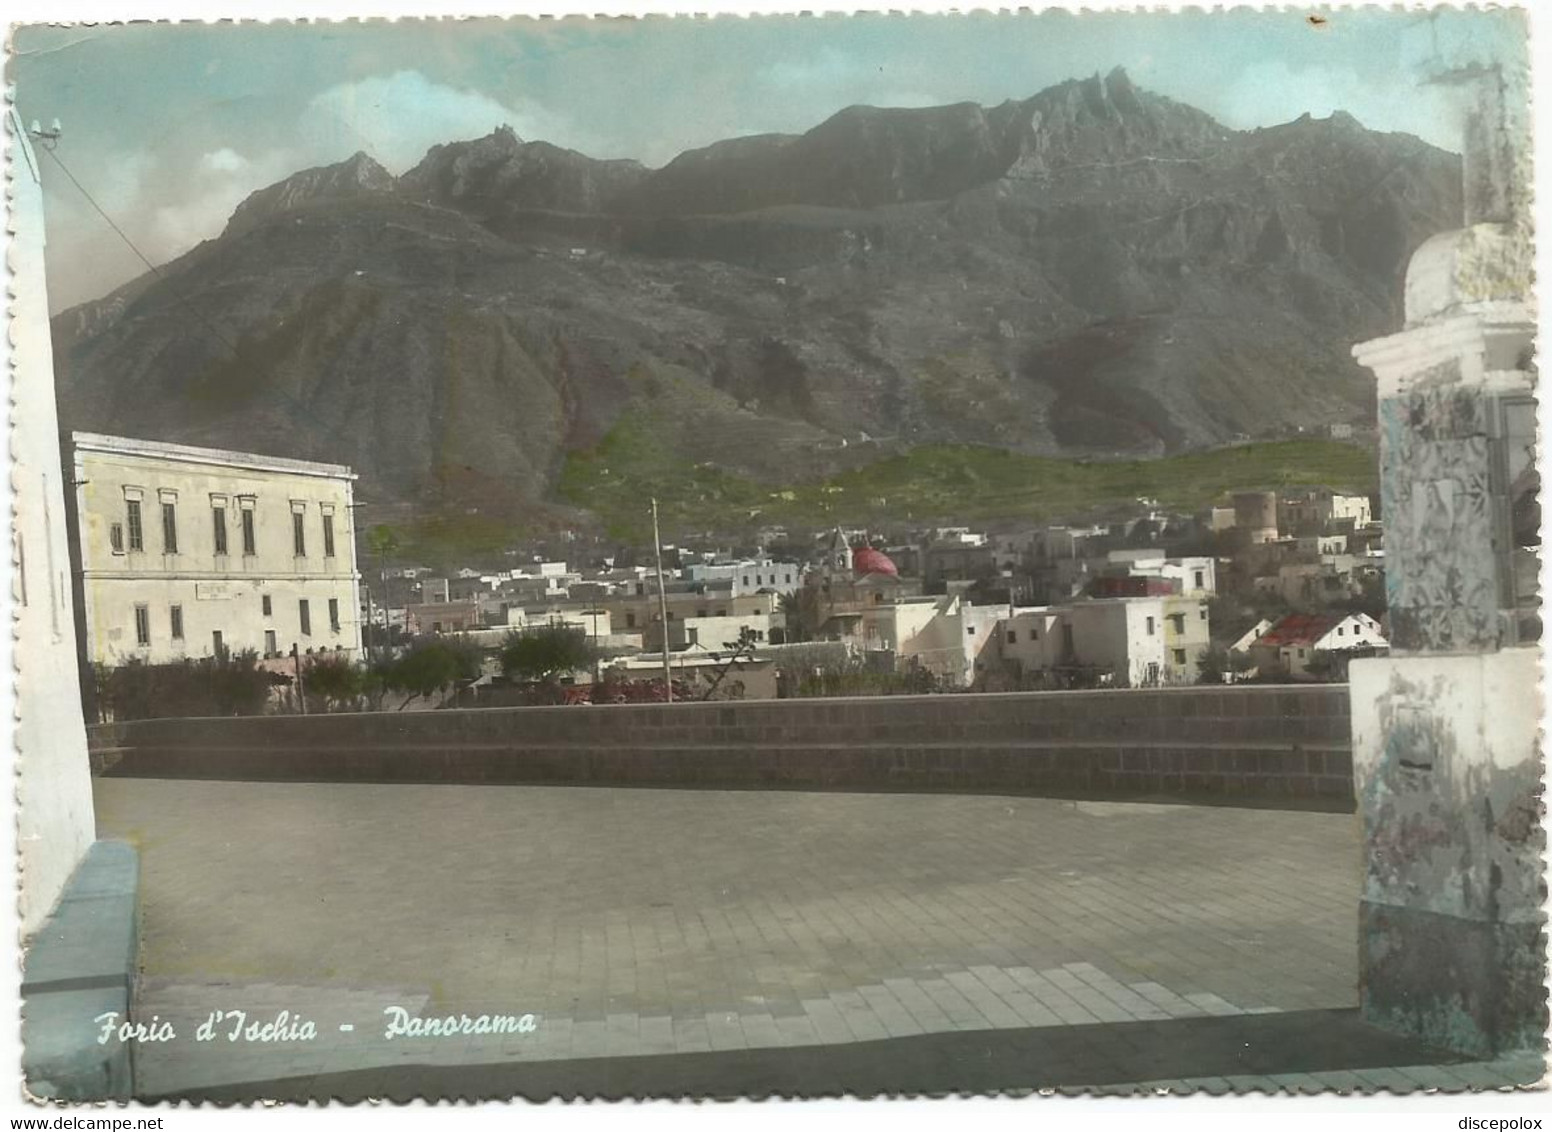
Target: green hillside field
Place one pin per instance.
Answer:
(934, 483)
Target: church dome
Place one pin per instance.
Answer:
(866, 560)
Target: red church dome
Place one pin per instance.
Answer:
(866, 560)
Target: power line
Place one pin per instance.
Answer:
(214, 330)
(155, 270)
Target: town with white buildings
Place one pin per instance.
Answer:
(189, 554)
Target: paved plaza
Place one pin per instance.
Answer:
(660, 923)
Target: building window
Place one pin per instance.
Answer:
(217, 644)
(249, 542)
(969, 630)
(136, 530)
(169, 528)
(328, 536)
(1180, 656)
(1199, 579)
(264, 603)
(1150, 626)
(630, 620)
(1202, 613)
(177, 622)
(298, 534)
(334, 624)
(116, 537)
(270, 645)
(218, 523)
(1034, 634)
(306, 615)
(142, 625)
(1012, 636)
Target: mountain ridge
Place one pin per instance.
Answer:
(1094, 271)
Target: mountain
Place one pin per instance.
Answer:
(1096, 271)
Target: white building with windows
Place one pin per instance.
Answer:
(749, 576)
(1136, 642)
(194, 552)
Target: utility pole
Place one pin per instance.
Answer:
(595, 645)
(662, 601)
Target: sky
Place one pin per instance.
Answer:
(170, 126)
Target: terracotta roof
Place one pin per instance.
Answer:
(1300, 629)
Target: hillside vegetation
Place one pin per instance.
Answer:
(933, 483)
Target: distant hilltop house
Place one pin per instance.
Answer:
(187, 552)
(1300, 642)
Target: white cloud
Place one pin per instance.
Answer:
(224, 160)
(827, 67)
(207, 202)
(396, 118)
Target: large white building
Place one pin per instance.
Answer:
(195, 552)
(1139, 641)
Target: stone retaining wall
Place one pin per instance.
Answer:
(1248, 745)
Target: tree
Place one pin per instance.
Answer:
(334, 680)
(432, 666)
(540, 655)
(1213, 665)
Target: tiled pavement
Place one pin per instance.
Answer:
(655, 922)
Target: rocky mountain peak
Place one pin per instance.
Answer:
(357, 175)
(1095, 270)
(500, 172)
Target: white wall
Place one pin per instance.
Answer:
(1115, 634)
(55, 824)
(1037, 639)
(1358, 631)
(892, 626)
(750, 575)
(714, 633)
(1185, 645)
(937, 643)
(216, 592)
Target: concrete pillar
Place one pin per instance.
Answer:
(55, 824)
(1445, 752)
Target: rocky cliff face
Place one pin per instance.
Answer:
(352, 179)
(1095, 271)
(501, 172)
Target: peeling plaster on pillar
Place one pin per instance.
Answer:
(1452, 939)
(1446, 758)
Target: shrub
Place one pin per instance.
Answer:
(229, 685)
